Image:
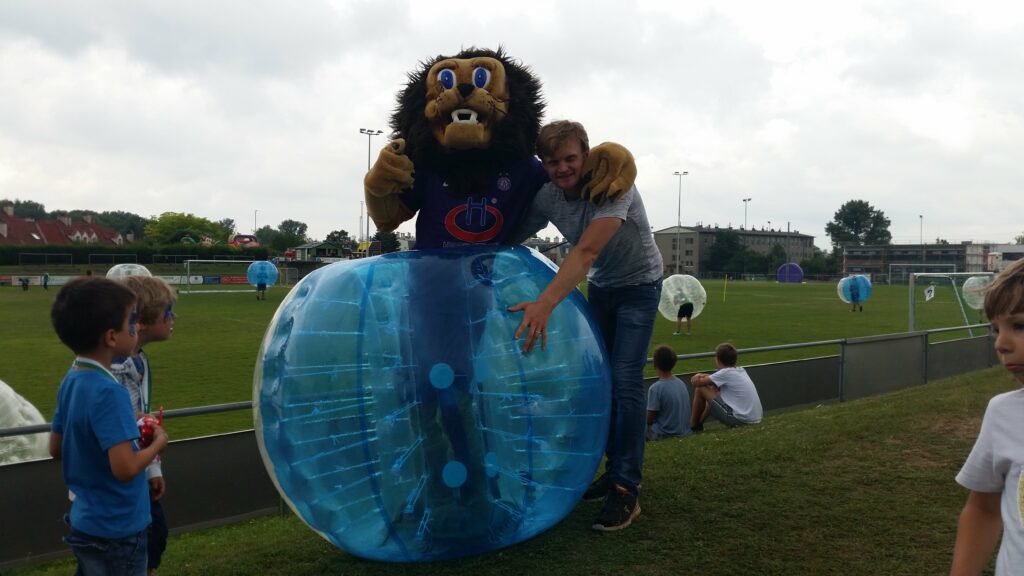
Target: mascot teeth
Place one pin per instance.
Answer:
(463, 116)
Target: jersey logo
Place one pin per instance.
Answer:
(474, 222)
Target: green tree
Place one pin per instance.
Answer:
(339, 237)
(172, 227)
(123, 222)
(266, 235)
(227, 228)
(26, 208)
(293, 228)
(1019, 239)
(858, 222)
(820, 263)
(776, 257)
(388, 241)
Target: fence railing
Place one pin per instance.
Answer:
(221, 479)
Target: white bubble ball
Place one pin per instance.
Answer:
(16, 411)
(127, 269)
(973, 291)
(679, 289)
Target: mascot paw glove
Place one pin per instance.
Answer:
(392, 173)
(608, 173)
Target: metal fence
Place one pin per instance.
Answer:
(221, 479)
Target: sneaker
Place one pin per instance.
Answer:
(598, 489)
(698, 428)
(687, 333)
(675, 333)
(621, 507)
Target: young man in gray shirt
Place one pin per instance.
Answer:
(614, 249)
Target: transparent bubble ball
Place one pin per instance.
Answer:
(679, 289)
(261, 272)
(400, 419)
(973, 291)
(854, 289)
(127, 269)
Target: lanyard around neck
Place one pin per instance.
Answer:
(90, 364)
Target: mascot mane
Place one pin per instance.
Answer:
(514, 137)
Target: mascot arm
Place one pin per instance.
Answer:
(389, 176)
(608, 173)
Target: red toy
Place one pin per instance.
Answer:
(146, 427)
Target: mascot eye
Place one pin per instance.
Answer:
(446, 78)
(480, 77)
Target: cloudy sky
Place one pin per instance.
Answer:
(251, 110)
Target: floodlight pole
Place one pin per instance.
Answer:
(745, 200)
(370, 133)
(254, 213)
(679, 214)
(921, 232)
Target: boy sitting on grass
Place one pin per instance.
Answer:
(155, 303)
(95, 432)
(729, 394)
(992, 471)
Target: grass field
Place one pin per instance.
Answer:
(858, 488)
(211, 357)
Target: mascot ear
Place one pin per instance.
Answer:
(608, 173)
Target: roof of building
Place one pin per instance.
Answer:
(29, 232)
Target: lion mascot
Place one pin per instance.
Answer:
(462, 157)
(462, 153)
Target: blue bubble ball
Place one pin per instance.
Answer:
(262, 272)
(854, 289)
(399, 418)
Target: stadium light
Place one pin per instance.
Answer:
(679, 214)
(745, 200)
(370, 133)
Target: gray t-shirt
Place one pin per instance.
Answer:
(671, 400)
(629, 258)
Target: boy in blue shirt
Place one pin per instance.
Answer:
(94, 430)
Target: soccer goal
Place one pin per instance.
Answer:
(943, 295)
(216, 277)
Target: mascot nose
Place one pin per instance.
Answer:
(466, 89)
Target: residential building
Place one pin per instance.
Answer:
(686, 249)
(15, 231)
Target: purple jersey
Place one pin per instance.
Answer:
(488, 216)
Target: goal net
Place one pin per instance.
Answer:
(215, 277)
(946, 299)
(899, 272)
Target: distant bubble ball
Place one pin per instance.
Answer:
(679, 289)
(400, 419)
(127, 269)
(261, 272)
(974, 291)
(854, 289)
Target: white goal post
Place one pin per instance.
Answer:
(216, 277)
(951, 276)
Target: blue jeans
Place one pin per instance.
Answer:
(625, 316)
(108, 556)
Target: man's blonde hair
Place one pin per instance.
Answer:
(153, 296)
(557, 133)
(1005, 295)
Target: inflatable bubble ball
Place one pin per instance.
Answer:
(399, 418)
(789, 272)
(679, 289)
(973, 291)
(127, 269)
(261, 272)
(854, 289)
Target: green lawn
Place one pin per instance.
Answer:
(211, 357)
(863, 487)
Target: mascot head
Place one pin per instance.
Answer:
(478, 100)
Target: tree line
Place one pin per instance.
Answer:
(186, 228)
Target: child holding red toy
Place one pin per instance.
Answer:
(94, 430)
